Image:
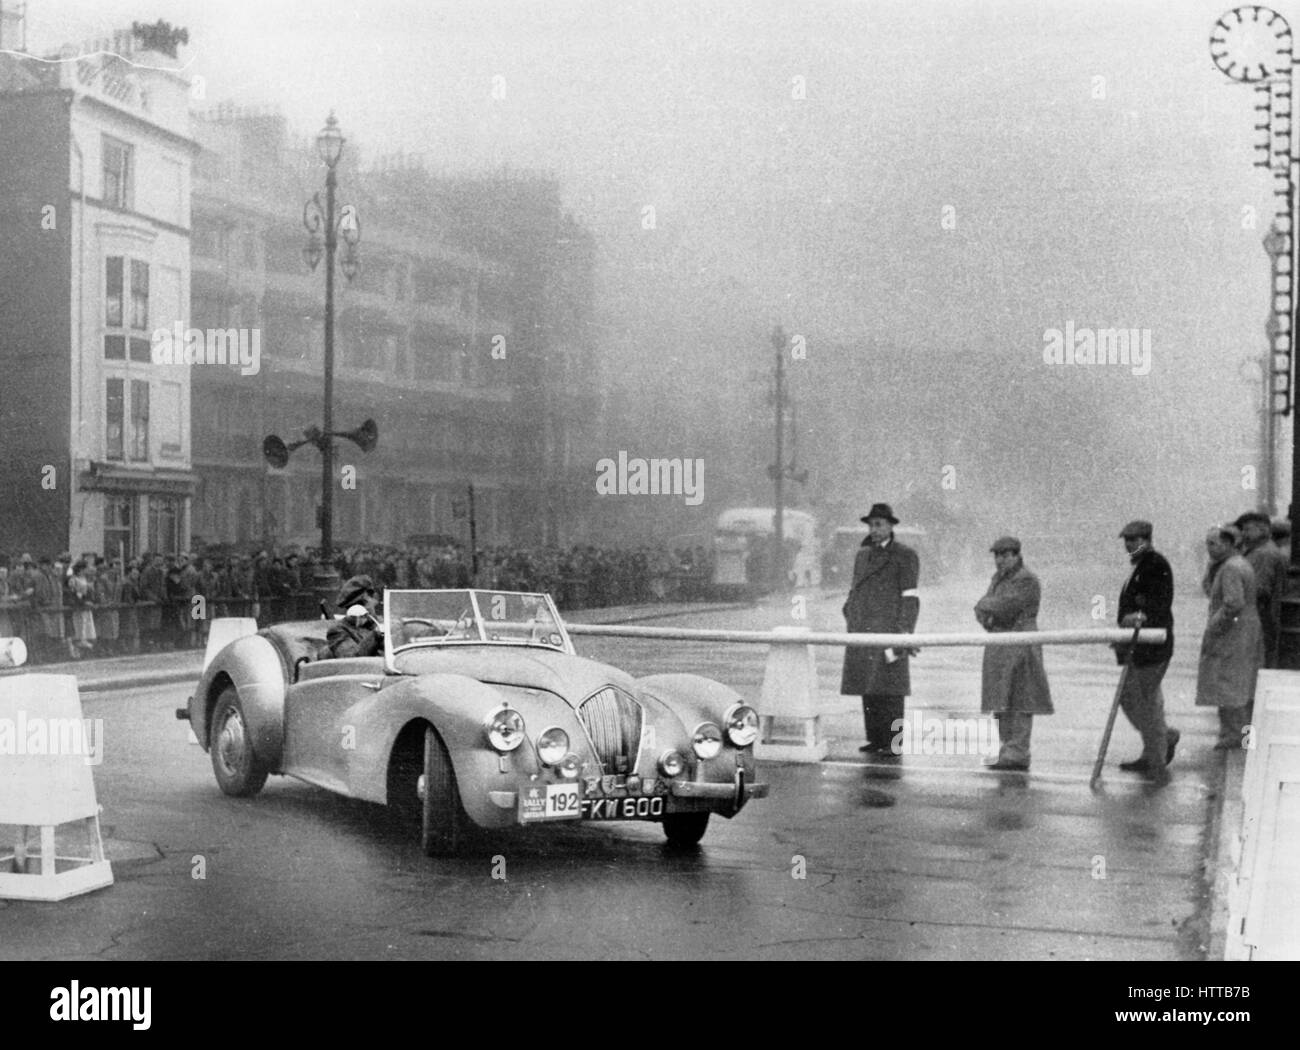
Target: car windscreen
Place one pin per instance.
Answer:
(417, 618)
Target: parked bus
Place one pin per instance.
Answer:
(846, 541)
(743, 548)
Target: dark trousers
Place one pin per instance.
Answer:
(1143, 702)
(879, 713)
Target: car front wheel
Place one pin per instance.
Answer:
(685, 829)
(238, 770)
(443, 823)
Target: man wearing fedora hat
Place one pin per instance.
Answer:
(883, 599)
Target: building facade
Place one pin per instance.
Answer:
(95, 157)
(465, 336)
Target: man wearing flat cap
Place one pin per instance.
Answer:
(1270, 566)
(358, 633)
(1013, 686)
(883, 599)
(1147, 600)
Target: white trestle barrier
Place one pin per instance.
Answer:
(47, 752)
(791, 726)
(221, 632)
(1264, 898)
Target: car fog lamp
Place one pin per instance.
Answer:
(672, 763)
(570, 766)
(553, 745)
(505, 729)
(742, 725)
(707, 740)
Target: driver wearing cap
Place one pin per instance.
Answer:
(358, 633)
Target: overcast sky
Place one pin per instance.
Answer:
(1098, 166)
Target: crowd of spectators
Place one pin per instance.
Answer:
(67, 608)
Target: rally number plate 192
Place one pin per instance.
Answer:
(549, 802)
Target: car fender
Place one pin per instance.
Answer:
(695, 699)
(456, 706)
(255, 668)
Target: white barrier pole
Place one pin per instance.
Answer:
(1148, 636)
(789, 690)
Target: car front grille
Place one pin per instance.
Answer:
(613, 721)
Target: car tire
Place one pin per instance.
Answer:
(686, 829)
(235, 764)
(443, 823)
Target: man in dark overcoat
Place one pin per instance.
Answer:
(882, 600)
(1147, 600)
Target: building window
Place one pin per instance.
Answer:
(126, 304)
(139, 294)
(208, 239)
(164, 525)
(113, 291)
(119, 538)
(139, 420)
(117, 173)
(113, 418)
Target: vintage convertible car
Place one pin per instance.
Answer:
(478, 713)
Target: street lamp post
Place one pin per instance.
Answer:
(780, 470)
(325, 229)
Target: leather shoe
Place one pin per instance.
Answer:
(1171, 738)
(1138, 765)
(1018, 767)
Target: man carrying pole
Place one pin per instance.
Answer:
(1146, 600)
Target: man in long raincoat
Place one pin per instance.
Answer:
(1014, 683)
(1232, 648)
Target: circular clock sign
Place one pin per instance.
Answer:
(1251, 44)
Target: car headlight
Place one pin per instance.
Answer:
(742, 725)
(570, 766)
(505, 729)
(672, 763)
(553, 745)
(707, 740)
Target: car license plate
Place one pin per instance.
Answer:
(623, 808)
(549, 802)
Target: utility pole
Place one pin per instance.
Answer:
(779, 342)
